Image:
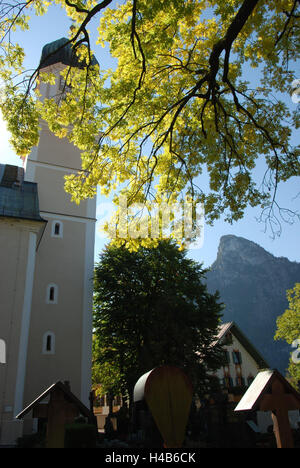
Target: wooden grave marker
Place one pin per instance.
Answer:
(168, 393)
(270, 391)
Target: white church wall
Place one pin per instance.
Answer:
(17, 245)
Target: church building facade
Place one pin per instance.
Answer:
(46, 274)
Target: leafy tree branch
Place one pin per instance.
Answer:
(178, 106)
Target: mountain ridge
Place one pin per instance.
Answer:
(252, 284)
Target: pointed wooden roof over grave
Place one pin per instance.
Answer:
(69, 396)
(270, 391)
(61, 408)
(257, 395)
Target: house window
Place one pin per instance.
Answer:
(227, 381)
(57, 229)
(240, 381)
(226, 358)
(52, 294)
(236, 357)
(49, 343)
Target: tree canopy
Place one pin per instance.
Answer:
(180, 104)
(152, 308)
(288, 329)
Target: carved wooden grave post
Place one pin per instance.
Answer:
(61, 408)
(168, 392)
(270, 391)
(279, 403)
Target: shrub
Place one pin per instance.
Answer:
(31, 441)
(80, 436)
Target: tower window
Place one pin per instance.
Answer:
(52, 294)
(49, 343)
(57, 229)
(63, 86)
(2, 352)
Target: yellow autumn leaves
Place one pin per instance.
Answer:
(152, 125)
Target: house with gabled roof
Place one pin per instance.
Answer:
(242, 360)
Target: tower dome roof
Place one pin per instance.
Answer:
(61, 51)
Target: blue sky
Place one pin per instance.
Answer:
(54, 25)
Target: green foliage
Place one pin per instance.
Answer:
(104, 372)
(288, 329)
(178, 105)
(152, 308)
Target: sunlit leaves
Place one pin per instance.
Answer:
(181, 103)
(288, 329)
(22, 121)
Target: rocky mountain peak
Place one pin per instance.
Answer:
(237, 249)
(252, 284)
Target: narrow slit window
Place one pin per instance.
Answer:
(57, 229)
(52, 294)
(2, 352)
(49, 343)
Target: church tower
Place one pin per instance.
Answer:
(46, 271)
(60, 332)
